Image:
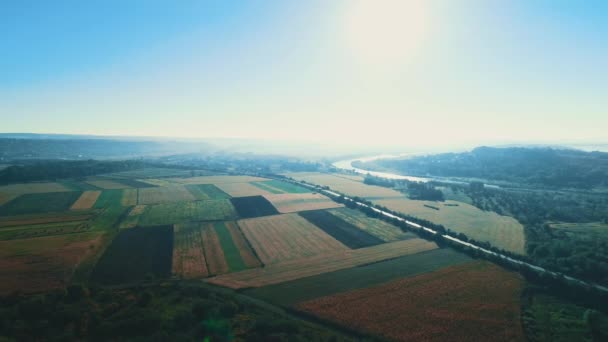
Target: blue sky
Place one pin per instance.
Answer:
(393, 72)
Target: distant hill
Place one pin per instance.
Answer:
(535, 166)
(32, 146)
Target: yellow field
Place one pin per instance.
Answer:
(32, 188)
(107, 184)
(289, 203)
(377, 228)
(157, 182)
(217, 179)
(345, 184)
(322, 263)
(132, 219)
(241, 189)
(86, 200)
(164, 194)
(284, 237)
(501, 231)
(129, 197)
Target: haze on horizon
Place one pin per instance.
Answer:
(389, 72)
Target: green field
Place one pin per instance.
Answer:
(169, 213)
(303, 289)
(109, 198)
(231, 252)
(276, 187)
(206, 192)
(39, 203)
(376, 227)
(155, 172)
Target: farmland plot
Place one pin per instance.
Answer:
(86, 200)
(39, 203)
(319, 264)
(277, 186)
(477, 301)
(129, 197)
(33, 188)
(378, 228)
(217, 179)
(152, 172)
(132, 219)
(291, 292)
(346, 185)
(5, 198)
(284, 237)
(74, 185)
(242, 189)
(239, 255)
(188, 256)
(109, 198)
(40, 264)
(206, 192)
(136, 254)
(341, 230)
(253, 206)
(289, 203)
(29, 219)
(501, 231)
(134, 183)
(45, 229)
(164, 194)
(107, 184)
(214, 254)
(179, 212)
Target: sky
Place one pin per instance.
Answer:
(358, 72)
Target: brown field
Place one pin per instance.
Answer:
(501, 231)
(477, 301)
(214, 253)
(107, 184)
(32, 188)
(241, 189)
(40, 264)
(129, 197)
(289, 203)
(188, 256)
(217, 179)
(375, 227)
(164, 194)
(23, 220)
(86, 200)
(345, 184)
(245, 251)
(321, 263)
(283, 237)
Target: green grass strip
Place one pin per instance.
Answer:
(263, 186)
(109, 198)
(286, 187)
(231, 252)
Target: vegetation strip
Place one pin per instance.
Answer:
(39, 203)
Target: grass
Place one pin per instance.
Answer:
(341, 230)
(78, 185)
(206, 192)
(284, 186)
(231, 252)
(475, 301)
(179, 212)
(135, 183)
(326, 284)
(346, 185)
(39, 203)
(29, 219)
(253, 206)
(33, 188)
(135, 255)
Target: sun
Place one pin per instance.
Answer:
(386, 32)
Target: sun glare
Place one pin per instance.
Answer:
(386, 32)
